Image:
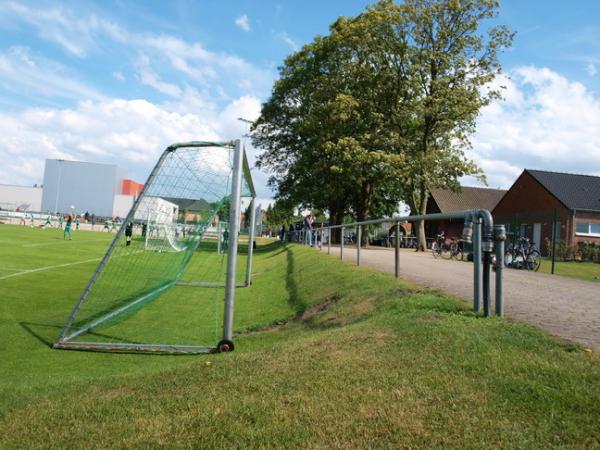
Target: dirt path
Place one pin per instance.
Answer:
(565, 307)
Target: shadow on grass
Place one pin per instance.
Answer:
(291, 285)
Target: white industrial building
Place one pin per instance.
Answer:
(75, 186)
(20, 198)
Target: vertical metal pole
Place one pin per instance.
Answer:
(397, 251)
(219, 237)
(342, 244)
(234, 229)
(476, 264)
(554, 233)
(328, 241)
(321, 238)
(250, 243)
(486, 284)
(358, 243)
(500, 237)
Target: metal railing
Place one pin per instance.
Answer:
(479, 230)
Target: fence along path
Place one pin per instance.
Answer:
(564, 307)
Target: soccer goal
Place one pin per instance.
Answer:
(167, 281)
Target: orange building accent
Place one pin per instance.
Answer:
(131, 187)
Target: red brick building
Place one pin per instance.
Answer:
(528, 207)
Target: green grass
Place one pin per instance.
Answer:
(575, 269)
(377, 363)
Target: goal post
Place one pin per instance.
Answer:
(162, 267)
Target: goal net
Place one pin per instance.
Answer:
(167, 281)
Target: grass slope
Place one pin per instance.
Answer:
(377, 363)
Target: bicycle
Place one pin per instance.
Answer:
(457, 249)
(440, 248)
(523, 255)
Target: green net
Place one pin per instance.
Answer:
(160, 286)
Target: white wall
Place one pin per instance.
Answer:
(122, 205)
(24, 197)
(89, 187)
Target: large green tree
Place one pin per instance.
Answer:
(449, 67)
(323, 129)
(382, 106)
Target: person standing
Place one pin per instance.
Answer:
(128, 233)
(307, 226)
(68, 228)
(60, 221)
(77, 222)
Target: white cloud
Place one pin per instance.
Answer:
(242, 22)
(591, 69)
(21, 72)
(130, 133)
(118, 75)
(82, 35)
(289, 41)
(547, 122)
(148, 77)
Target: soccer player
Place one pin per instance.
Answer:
(68, 228)
(48, 222)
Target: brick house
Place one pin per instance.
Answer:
(527, 208)
(445, 200)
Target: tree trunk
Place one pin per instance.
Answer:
(362, 211)
(335, 218)
(421, 238)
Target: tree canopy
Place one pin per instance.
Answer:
(382, 108)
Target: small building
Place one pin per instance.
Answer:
(20, 198)
(531, 204)
(445, 200)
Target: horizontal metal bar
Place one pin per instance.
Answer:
(130, 347)
(206, 284)
(435, 216)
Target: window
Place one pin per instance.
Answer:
(587, 229)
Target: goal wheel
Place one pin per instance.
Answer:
(225, 346)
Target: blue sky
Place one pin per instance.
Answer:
(117, 81)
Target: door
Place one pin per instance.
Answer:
(537, 235)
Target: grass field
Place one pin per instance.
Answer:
(574, 269)
(328, 355)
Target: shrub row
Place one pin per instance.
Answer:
(582, 251)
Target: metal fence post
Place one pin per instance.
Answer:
(397, 251)
(321, 238)
(342, 244)
(358, 243)
(499, 238)
(554, 238)
(476, 264)
(329, 241)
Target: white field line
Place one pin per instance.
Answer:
(41, 269)
(58, 266)
(62, 243)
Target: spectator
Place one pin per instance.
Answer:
(307, 227)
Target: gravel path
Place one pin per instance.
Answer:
(565, 307)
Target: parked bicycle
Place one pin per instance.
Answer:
(457, 249)
(439, 247)
(523, 255)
